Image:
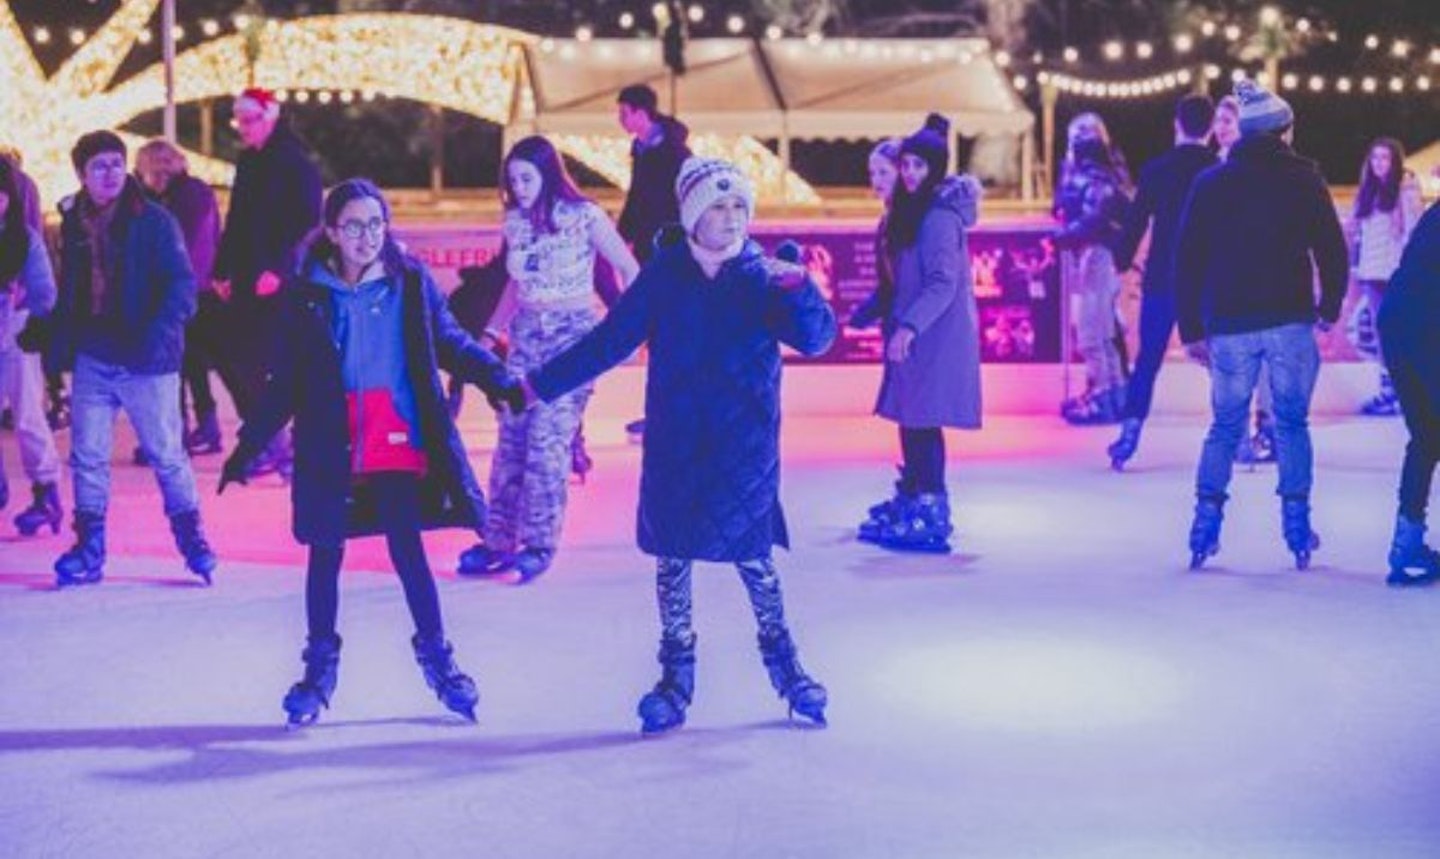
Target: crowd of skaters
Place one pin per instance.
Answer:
(315, 318)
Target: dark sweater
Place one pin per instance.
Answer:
(1252, 235)
(274, 205)
(1160, 197)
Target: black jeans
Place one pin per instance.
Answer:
(1157, 322)
(398, 499)
(1423, 451)
(923, 451)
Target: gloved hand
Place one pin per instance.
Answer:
(506, 394)
(233, 471)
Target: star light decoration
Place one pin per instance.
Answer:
(471, 68)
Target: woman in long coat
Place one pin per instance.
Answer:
(932, 342)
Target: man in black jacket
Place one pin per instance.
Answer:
(658, 149)
(1253, 234)
(1164, 185)
(274, 205)
(656, 153)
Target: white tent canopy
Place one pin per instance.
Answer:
(784, 88)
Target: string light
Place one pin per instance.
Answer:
(42, 35)
(773, 32)
(1232, 32)
(145, 37)
(324, 96)
(1021, 83)
(1343, 85)
(241, 21)
(1207, 29)
(1368, 85)
(1071, 55)
(696, 13)
(1269, 17)
(1184, 43)
(210, 27)
(1002, 59)
(1400, 50)
(583, 33)
(627, 20)
(1397, 84)
(1144, 50)
(1290, 81)
(813, 38)
(1302, 26)
(178, 33)
(1372, 41)
(735, 24)
(1113, 50)
(1317, 83)
(77, 36)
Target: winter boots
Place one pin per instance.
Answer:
(919, 523)
(1124, 447)
(880, 515)
(1409, 552)
(481, 560)
(1384, 404)
(43, 510)
(1259, 448)
(205, 437)
(663, 708)
(790, 681)
(84, 562)
(1300, 538)
(452, 686)
(322, 662)
(1104, 406)
(190, 540)
(1205, 530)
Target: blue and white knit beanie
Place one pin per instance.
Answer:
(1261, 111)
(703, 182)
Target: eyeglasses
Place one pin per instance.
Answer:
(354, 229)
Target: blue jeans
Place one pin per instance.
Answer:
(1290, 355)
(152, 403)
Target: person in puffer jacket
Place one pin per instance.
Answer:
(932, 343)
(714, 312)
(1092, 208)
(360, 335)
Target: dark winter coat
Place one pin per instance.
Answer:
(1410, 313)
(710, 475)
(651, 203)
(274, 205)
(939, 384)
(308, 386)
(193, 205)
(1248, 235)
(1160, 197)
(150, 292)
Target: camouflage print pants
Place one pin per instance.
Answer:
(531, 466)
(673, 595)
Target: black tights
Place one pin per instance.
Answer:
(398, 503)
(1422, 418)
(923, 450)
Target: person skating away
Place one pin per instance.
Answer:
(1246, 300)
(274, 207)
(27, 287)
(1409, 316)
(1387, 206)
(659, 145)
(714, 312)
(932, 343)
(1159, 197)
(553, 235)
(1090, 205)
(125, 294)
(360, 333)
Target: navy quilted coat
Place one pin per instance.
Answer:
(710, 477)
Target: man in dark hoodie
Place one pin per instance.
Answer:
(124, 294)
(656, 153)
(1164, 184)
(274, 206)
(1408, 320)
(1253, 234)
(660, 145)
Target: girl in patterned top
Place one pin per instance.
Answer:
(1387, 208)
(553, 234)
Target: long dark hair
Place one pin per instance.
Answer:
(555, 183)
(322, 249)
(14, 234)
(1377, 193)
(907, 210)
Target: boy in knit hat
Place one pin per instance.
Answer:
(1245, 299)
(714, 312)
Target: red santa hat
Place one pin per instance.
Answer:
(260, 99)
